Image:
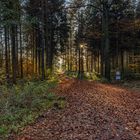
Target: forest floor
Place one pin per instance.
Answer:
(94, 111)
(133, 85)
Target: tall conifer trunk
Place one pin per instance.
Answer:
(13, 44)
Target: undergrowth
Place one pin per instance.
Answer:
(92, 76)
(23, 103)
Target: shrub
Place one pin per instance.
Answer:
(22, 104)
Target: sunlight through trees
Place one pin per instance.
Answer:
(34, 34)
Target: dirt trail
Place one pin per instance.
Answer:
(94, 111)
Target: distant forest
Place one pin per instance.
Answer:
(41, 37)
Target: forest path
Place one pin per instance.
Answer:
(94, 111)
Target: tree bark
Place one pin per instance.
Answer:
(6, 56)
(13, 44)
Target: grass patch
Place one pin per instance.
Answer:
(22, 104)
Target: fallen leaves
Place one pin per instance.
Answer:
(94, 111)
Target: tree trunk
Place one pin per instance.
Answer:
(21, 59)
(107, 46)
(13, 44)
(6, 57)
(42, 40)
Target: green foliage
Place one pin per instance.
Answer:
(22, 104)
(51, 96)
(95, 77)
(72, 74)
(92, 76)
(130, 75)
(85, 76)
